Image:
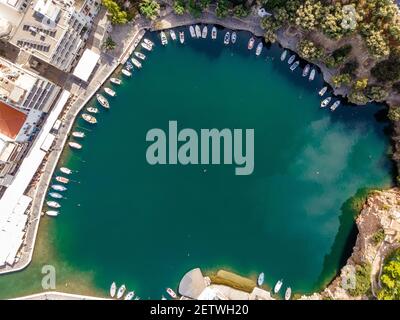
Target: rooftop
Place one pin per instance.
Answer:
(11, 121)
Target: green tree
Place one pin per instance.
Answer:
(194, 8)
(358, 97)
(361, 84)
(390, 278)
(309, 50)
(387, 70)
(341, 79)
(377, 93)
(109, 44)
(309, 14)
(378, 236)
(394, 114)
(363, 282)
(149, 8)
(222, 9)
(117, 15)
(240, 11)
(179, 7)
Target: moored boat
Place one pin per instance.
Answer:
(214, 33)
(291, 59)
(121, 291)
(294, 65)
(92, 110)
(283, 55)
(325, 102)
(172, 34)
(75, 145)
(55, 195)
(103, 101)
(198, 31)
(65, 170)
(288, 293)
(260, 279)
(148, 42)
(137, 63)
(278, 286)
(259, 49)
(110, 92)
(322, 91)
(130, 295)
(115, 81)
(182, 37)
(204, 32)
(164, 40)
(146, 46)
(62, 179)
(78, 134)
(52, 213)
(140, 55)
(227, 38)
(250, 44)
(335, 105)
(233, 37)
(129, 66)
(306, 70)
(126, 72)
(312, 75)
(53, 204)
(192, 33)
(171, 293)
(113, 289)
(58, 187)
(89, 118)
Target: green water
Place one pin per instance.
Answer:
(145, 226)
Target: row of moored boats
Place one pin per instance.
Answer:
(119, 293)
(56, 192)
(277, 287)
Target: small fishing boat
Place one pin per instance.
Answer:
(62, 179)
(198, 31)
(306, 70)
(115, 81)
(294, 65)
(137, 63)
(259, 49)
(283, 55)
(75, 145)
(233, 37)
(288, 293)
(291, 59)
(65, 170)
(55, 195)
(171, 293)
(52, 213)
(204, 32)
(182, 37)
(78, 134)
(148, 42)
(130, 295)
(146, 46)
(89, 118)
(126, 72)
(53, 204)
(113, 289)
(58, 187)
(260, 279)
(129, 66)
(312, 75)
(214, 33)
(121, 291)
(140, 55)
(92, 110)
(172, 34)
(278, 286)
(164, 40)
(103, 101)
(322, 91)
(192, 33)
(227, 38)
(250, 44)
(335, 105)
(325, 102)
(110, 92)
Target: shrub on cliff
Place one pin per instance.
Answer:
(341, 79)
(394, 114)
(378, 236)
(363, 280)
(358, 97)
(309, 50)
(390, 278)
(387, 70)
(377, 93)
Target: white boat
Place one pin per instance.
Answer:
(325, 102)
(335, 105)
(140, 55)
(92, 110)
(312, 75)
(172, 34)
(75, 145)
(115, 81)
(192, 33)
(113, 289)
(103, 101)
(322, 91)
(55, 195)
(171, 293)
(214, 33)
(250, 44)
(137, 63)
(148, 42)
(126, 72)
(288, 293)
(110, 92)
(65, 170)
(130, 295)
(198, 31)
(146, 46)
(278, 286)
(294, 65)
(291, 59)
(260, 279)
(204, 32)
(89, 118)
(283, 55)
(259, 49)
(52, 213)
(227, 38)
(233, 37)
(62, 179)
(164, 40)
(58, 187)
(182, 37)
(53, 204)
(78, 134)
(306, 70)
(121, 291)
